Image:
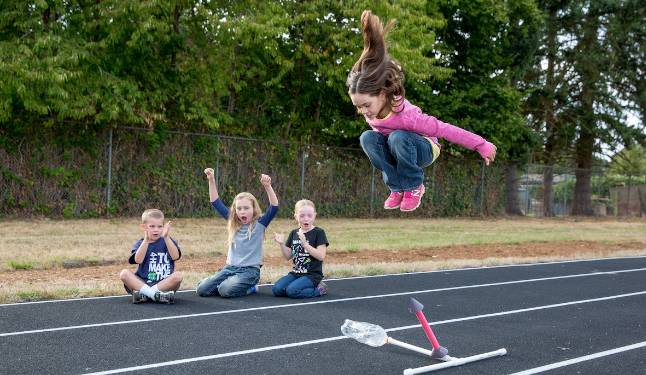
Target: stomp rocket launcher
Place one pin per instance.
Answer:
(375, 336)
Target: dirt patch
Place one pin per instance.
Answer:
(109, 273)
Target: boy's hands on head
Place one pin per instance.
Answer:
(166, 230)
(210, 173)
(265, 180)
(279, 237)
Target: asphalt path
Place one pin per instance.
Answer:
(576, 317)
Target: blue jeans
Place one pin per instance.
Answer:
(401, 157)
(295, 287)
(231, 281)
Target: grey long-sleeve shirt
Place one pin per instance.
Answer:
(246, 249)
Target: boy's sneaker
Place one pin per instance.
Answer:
(412, 198)
(165, 297)
(252, 290)
(137, 297)
(394, 200)
(322, 288)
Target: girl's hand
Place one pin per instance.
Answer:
(487, 151)
(166, 229)
(278, 237)
(301, 236)
(210, 174)
(491, 157)
(265, 180)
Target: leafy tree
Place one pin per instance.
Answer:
(627, 35)
(547, 105)
(489, 45)
(573, 103)
(304, 95)
(630, 161)
(600, 115)
(106, 62)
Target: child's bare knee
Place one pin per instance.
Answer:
(123, 275)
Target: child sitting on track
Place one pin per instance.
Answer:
(155, 255)
(246, 229)
(306, 247)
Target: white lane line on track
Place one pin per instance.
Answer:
(327, 339)
(356, 277)
(527, 309)
(584, 358)
(292, 305)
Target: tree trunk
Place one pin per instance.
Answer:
(512, 182)
(582, 201)
(584, 147)
(231, 106)
(550, 118)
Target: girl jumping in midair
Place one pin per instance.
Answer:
(403, 140)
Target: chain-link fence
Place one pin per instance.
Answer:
(123, 171)
(341, 181)
(610, 195)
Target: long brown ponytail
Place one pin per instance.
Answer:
(376, 71)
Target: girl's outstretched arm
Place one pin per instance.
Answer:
(265, 180)
(213, 189)
(214, 197)
(430, 126)
(412, 119)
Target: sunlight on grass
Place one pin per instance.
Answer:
(34, 245)
(40, 290)
(17, 265)
(47, 243)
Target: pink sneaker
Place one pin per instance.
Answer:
(412, 198)
(394, 200)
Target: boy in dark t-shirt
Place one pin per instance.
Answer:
(306, 247)
(155, 255)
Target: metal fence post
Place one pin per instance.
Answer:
(433, 185)
(482, 186)
(109, 185)
(630, 187)
(527, 189)
(565, 188)
(372, 192)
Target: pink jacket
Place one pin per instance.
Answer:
(413, 120)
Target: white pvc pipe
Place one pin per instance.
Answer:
(414, 348)
(390, 340)
(455, 362)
